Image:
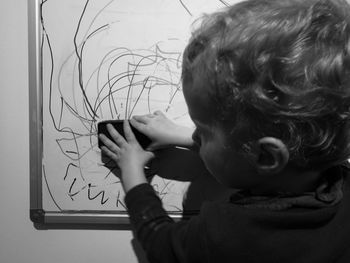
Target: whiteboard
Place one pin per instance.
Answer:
(95, 60)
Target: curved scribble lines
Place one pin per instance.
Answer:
(139, 96)
(45, 39)
(104, 60)
(188, 11)
(101, 100)
(79, 57)
(78, 52)
(224, 2)
(49, 190)
(101, 193)
(117, 80)
(136, 67)
(66, 174)
(119, 201)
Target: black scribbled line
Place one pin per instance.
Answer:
(91, 124)
(72, 152)
(163, 192)
(119, 202)
(74, 139)
(109, 79)
(104, 164)
(61, 112)
(171, 99)
(102, 193)
(138, 98)
(111, 94)
(80, 64)
(178, 60)
(136, 67)
(108, 174)
(72, 184)
(103, 61)
(149, 100)
(223, 2)
(49, 190)
(90, 25)
(116, 182)
(75, 113)
(114, 170)
(156, 188)
(159, 51)
(131, 74)
(79, 155)
(188, 11)
(70, 194)
(66, 174)
(87, 105)
(45, 36)
(128, 96)
(158, 82)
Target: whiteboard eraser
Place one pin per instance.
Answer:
(143, 140)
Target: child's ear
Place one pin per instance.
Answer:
(272, 155)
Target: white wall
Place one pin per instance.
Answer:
(19, 240)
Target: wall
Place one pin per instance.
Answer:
(19, 240)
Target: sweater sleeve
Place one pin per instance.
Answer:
(163, 239)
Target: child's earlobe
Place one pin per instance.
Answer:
(272, 155)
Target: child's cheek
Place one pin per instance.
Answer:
(210, 158)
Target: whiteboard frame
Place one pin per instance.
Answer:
(61, 219)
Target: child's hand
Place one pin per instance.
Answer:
(162, 131)
(127, 154)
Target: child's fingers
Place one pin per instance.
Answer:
(138, 125)
(144, 119)
(111, 146)
(129, 135)
(109, 153)
(118, 139)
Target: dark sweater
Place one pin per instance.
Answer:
(311, 228)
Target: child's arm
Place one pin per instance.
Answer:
(164, 240)
(162, 131)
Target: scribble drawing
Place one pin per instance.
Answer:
(95, 67)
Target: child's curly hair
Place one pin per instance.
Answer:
(279, 68)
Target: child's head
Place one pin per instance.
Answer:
(275, 69)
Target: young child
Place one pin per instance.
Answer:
(267, 83)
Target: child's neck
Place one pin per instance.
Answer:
(289, 181)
